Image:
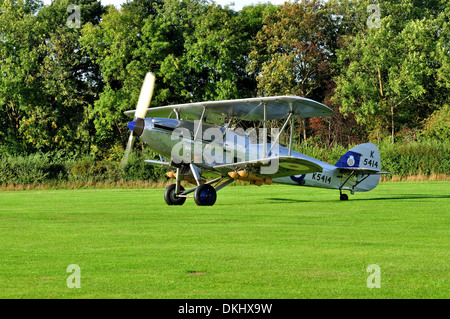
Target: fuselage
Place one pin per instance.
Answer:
(208, 145)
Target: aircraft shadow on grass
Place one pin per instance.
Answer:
(289, 200)
(395, 197)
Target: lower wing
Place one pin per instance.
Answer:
(273, 167)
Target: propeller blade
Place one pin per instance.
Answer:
(145, 96)
(126, 155)
(137, 126)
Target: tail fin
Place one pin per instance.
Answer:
(361, 156)
(365, 160)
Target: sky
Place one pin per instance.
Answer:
(238, 4)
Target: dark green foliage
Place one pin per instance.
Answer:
(437, 126)
(392, 75)
(138, 170)
(416, 158)
(64, 90)
(31, 170)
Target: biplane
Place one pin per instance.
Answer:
(200, 143)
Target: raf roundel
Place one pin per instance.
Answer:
(351, 161)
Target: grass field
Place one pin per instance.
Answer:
(266, 242)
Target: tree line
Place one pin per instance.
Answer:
(382, 66)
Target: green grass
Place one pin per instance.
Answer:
(256, 242)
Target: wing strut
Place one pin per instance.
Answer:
(291, 138)
(265, 131)
(279, 134)
(227, 126)
(196, 174)
(200, 123)
(178, 182)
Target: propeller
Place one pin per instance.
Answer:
(138, 124)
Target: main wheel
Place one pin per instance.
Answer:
(344, 197)
(171, 198)
(205, 195)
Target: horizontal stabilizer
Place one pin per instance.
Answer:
(274, 166)
(361, 171)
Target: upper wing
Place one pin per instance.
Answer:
(274, 167)
(251, 109)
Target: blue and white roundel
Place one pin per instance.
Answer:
(298, 178)
(351, 161)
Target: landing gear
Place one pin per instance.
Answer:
(171, 198)
(345, 196)
(205, 195)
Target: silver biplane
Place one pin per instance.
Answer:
(211, 155)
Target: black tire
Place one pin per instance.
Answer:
(205, 195)
(170, 198)
(344, 197)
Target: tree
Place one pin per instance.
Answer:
(293, 55)
(215, 56)
(388, 73)
(48, 79)
(112, 45)
(20, 37)
(196, 50)
(437, 125)
(294, 51)
(443, 47)
(70, 80)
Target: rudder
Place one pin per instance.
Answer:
(363, 156)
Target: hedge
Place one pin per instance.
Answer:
(404, 159)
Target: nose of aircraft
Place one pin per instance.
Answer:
(137, 126)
